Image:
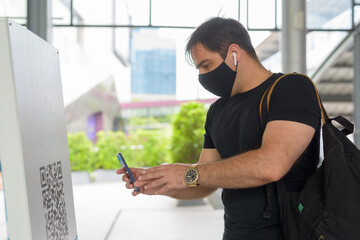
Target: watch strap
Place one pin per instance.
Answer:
(194, 166)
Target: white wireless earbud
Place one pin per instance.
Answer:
(234, 54)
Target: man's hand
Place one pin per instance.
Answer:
(162, 179)
(169, 180)
(129, 185)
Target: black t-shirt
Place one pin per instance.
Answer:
(233, 127)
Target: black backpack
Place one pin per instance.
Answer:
(328, 207)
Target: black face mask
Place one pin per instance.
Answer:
(219, 81)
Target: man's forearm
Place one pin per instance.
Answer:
(250, 169)
(191, 193)
(283, 143)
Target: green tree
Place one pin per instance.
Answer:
(81, 152)
(151, 147)
(108, 144)
(141, 148)
(188, 133)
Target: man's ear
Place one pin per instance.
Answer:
(235, 52)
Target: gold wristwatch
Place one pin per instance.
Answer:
(191, 175)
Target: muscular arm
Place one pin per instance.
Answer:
(283, 143)
(206, 156)
(152, 182)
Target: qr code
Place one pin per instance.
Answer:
(54, 202)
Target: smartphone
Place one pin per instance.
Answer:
(127, 170)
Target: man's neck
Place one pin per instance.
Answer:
(254, 75)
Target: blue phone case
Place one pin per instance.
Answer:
(124, 165)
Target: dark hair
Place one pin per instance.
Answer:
(217, 34)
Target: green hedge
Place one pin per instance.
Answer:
(81, 151)
(107, 145)
(181, 143)
(188, 133)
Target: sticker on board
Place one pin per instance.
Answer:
(54, 202)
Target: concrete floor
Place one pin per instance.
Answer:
(106, 210)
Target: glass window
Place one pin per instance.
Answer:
(138, 11)
(110, 12)
(86, 59)
(61, 12)
(93, 11)
(357, 14)
(319, 44)
(122, 43)
(261, 14)
(14, 9)
(326, 14)
(177, 13)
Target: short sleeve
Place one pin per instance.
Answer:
(294, 99)
(208, 142)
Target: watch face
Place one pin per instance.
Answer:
(191, 176)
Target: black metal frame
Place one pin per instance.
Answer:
(353, 5)
(262, 29)
(150, 25)
(276, 28)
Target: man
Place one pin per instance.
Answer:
(238, 155)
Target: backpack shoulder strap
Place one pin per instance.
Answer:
(263, 111)
(265, 100)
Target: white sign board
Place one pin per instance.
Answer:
(33, 139)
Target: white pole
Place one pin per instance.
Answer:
(293, 45)
(39, 18)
